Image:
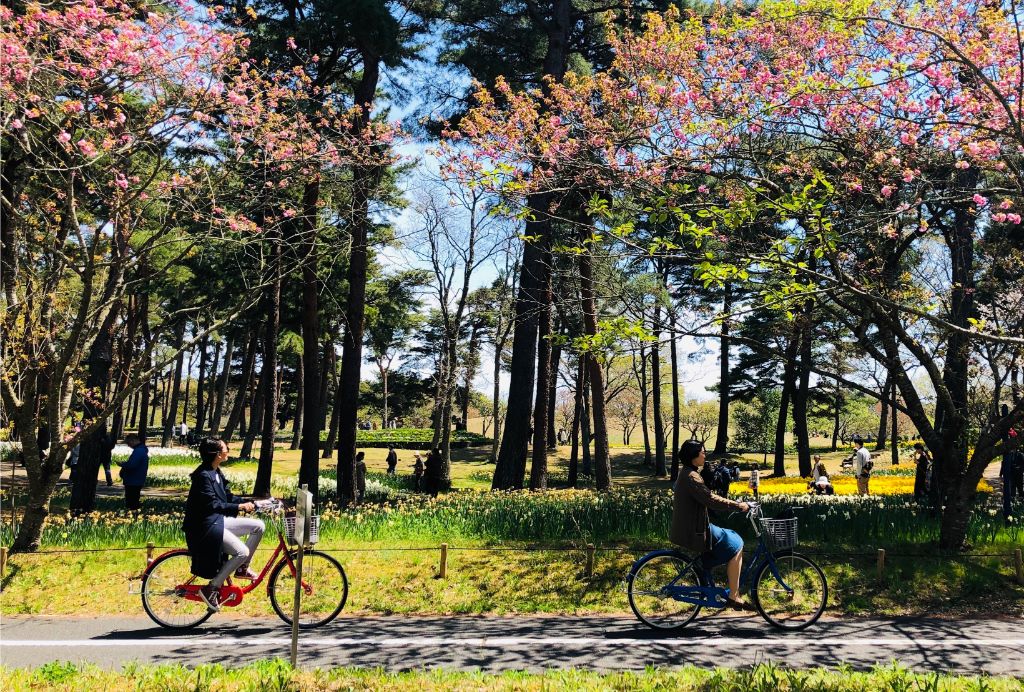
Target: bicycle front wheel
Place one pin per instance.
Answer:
(165, 589)
(802, 603)
(324, 589)
(650, 590)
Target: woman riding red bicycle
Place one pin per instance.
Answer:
(212, 525)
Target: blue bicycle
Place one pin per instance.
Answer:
(667, 589)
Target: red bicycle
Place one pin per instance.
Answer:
(170, 592)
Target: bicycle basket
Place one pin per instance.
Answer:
(314, 529)
(780, 533)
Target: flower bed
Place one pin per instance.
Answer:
(881, 484)
(556, 517)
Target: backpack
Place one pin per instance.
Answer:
(868, 465)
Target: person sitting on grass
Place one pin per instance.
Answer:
(692, 529)
(212, 526)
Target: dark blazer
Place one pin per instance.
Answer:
(690, 511)
(209, 501)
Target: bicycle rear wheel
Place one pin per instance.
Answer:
(164, 593)
(650, 594)
(802, 603)
(325, 589)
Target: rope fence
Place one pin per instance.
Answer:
(589, 551)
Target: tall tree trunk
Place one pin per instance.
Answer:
(588, 464)
(309, 466)
(201, 383)
(788, 385)
(94, 449)
(895, 451)
(577, 416)
(644, 399)
(660, 469)
(496, 401)
(126, 354)
(800, 396)
(248, 368)
(222, 388)
(511, 464)
(803, 390)
(269, 378)
(159, 395)
(836, 410)
(299, 401)
(539, 468)
(722, 434)
(602, 459)
(883, 418)
(364, 180)
(172, 410)
(255, 417)
(472, 363)
(675, 396)
(556, 359)
(187, 377)
(326, 374)
(133, 410)
(147, 386)
(332, 430)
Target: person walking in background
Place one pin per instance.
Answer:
(361, 474)
(417, 471)
(862, 466)
(133, 472)
(923, 462)
(432, 472)
(392, 460)
(183, 433)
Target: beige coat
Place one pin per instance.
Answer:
(690, 511)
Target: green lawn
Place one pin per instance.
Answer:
(278, 675)
(516, 577)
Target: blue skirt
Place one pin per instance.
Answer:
(725, 543)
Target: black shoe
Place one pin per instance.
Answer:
(211, 597)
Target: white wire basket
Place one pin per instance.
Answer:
(781, 533)
(314, 529)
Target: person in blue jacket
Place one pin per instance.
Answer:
(212, 525)
(133, 472)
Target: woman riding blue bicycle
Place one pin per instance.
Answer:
(692, 528)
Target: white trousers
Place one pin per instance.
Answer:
(240, 552)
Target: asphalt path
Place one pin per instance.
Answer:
(992, 646)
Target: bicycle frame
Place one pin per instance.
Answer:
(231, 594)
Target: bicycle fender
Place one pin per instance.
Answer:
(653, 554)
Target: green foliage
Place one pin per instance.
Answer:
(755, 422)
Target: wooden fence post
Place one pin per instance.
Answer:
(881, 563)
(589, 570)
(3, 561)
(1018, 563)
(443, 572)
(149, 553)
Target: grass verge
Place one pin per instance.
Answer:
(275, 674)
(514, 579)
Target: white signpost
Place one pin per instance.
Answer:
(303, 513)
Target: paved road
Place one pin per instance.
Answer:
(993, 646)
